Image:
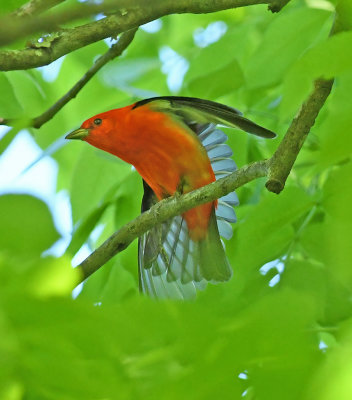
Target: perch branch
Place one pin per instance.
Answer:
(166, 209)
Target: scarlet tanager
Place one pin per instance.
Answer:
(174, 145)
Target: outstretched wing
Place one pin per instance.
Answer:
(169, 262)
(199, 111)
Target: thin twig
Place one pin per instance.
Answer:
(115, 51)
(166, 209)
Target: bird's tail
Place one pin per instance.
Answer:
(171, 264)
(213, 264)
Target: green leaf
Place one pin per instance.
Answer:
(95, 284)
(28, 91)
(127, 71)
(52, 277)
(310, 278)
(9, 104)
(338, 194)
(313, 240)
(334, 131)
(219, 82)
(26, 225)
(337, 202)
(265, 232)
(11, 5)
(93, 177)
(344, 15)
(128, 199)
(282, 44)
(120, 285)
(326, 60)
(7, 139)
(84, 229)
(332, 380)
(215, 57)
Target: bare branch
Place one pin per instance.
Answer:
(166, 209)
(134, 14)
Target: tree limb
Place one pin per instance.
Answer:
(284, 157)
(134, 14)
(14, 29)
(166, 209)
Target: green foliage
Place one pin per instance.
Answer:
(10, 5)
(19, 214)
(248, 338)
(9, 103)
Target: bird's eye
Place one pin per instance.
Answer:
(98, 121)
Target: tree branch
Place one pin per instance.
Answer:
(166, 209)
(11, 30)
(134, 14)
(284, 157)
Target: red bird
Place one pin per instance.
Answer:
(174, 145)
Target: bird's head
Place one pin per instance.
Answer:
(96, 131)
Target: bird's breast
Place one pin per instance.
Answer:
(166, 152)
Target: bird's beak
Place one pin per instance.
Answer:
(79, 133)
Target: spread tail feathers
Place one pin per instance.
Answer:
(173, 265)
(168, 259)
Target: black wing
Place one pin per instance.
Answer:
(198, 111)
